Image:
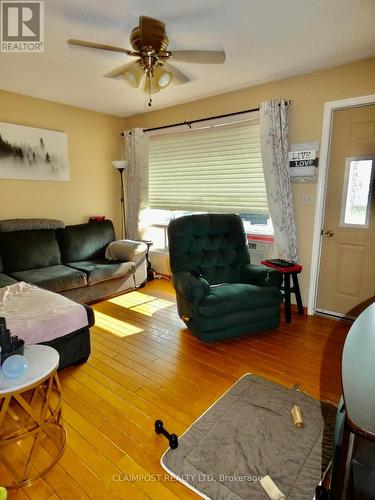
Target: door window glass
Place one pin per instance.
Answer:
(356, 195)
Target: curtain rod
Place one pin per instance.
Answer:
(189, 123)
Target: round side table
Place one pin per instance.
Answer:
(32, 436)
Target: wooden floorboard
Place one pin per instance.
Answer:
(145, 365)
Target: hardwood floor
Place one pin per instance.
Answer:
(145, 365)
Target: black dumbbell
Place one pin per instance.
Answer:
(172, 438)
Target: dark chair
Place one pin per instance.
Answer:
(219, 293)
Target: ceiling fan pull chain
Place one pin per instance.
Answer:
(149, 104)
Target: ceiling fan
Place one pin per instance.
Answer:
(150, 45)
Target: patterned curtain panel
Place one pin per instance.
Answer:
(135, 181)
(274, 141)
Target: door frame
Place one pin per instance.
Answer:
(329, 108)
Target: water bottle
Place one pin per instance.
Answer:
(5, 338)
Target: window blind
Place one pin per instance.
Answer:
(218, 169)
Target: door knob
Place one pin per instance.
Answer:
(329, 234)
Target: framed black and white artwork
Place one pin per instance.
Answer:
(33, 153)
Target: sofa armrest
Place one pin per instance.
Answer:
(126, 250)
(192, 288)
(260, 275)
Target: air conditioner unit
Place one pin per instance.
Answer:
(260, 248)
(160, 262)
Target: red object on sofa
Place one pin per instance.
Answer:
(97, 218)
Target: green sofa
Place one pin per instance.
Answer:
(69, 260)
(220, 294)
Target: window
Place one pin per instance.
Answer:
(216, 168)
(357, 192)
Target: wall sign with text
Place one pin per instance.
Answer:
(303, 160)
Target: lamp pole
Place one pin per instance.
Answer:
(123, 208)
(121, 165)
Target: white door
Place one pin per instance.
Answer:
(347, 268)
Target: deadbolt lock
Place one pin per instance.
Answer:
(329, 234)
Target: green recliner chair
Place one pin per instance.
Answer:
(220, 295)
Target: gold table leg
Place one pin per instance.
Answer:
(27, 419)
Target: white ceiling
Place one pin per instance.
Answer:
(264, 40)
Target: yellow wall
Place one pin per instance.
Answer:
(94, 140)
(309, 93)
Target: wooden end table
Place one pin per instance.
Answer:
(150, 271)
(290, 275)
(32, 436)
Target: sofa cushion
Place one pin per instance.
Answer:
(6, 280)
(126, 251)
(54, 278)
(9, 225)
(232, 297)
(102, 270)
(25, 250)
(85, 241)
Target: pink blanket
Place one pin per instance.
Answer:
(38, 315)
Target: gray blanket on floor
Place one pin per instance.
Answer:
(249, 433)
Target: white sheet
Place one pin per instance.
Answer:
(38, 315)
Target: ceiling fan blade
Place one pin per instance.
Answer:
(198, 56)
(100, 46)
(120, 70)
(178, 76)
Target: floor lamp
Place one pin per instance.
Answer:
(121, 165)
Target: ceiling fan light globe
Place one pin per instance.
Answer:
(151, 85)
(162, 76)
(133, 75)
(165, 80)
(129, 78)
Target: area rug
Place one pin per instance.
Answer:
(249, 433)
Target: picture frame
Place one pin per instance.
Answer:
(31, 153)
